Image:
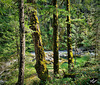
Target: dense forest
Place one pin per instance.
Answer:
(49, 42)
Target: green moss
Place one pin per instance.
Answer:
(55, 37)
(40, 63)
(42, 70)
(69, 45)
(40, 55)
(71, 57)
(71, 75)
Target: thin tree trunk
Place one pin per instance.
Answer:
(40, 66)
(22, 43)
(69, 45)
(55, 38)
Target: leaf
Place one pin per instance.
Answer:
(75, 20)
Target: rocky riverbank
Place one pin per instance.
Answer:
(4, 66)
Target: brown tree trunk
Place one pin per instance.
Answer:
(69, 45)
(55, 38)
(40, 66)
(22, 43)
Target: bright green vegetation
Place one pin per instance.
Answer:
(79, 62)
(85, 35)
(84, 22)
(85, 69)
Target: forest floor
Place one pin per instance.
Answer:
(87, 70)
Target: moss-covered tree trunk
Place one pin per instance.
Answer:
(22, 43)
(40, 66)
(69, 45)
(55, 38)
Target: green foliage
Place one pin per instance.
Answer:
(29, 43)
(85, 24)
(84, 74)
(82, 16)
(8, 25)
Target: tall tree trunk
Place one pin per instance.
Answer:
(69, 45)
(55, 38)
(40, 66)
(22, 43)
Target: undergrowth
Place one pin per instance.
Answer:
(86, 68)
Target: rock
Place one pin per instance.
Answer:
(33, 59)
(8, 63)
(60, 60)
(51, 62)
(1, 82)
(49, 59)
(92, 54)
(50, 54)
(15, 60)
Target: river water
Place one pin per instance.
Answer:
(61, 53)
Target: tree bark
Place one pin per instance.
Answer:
(40, 66)
(55, 38)
(69, 45)
(22, 43)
